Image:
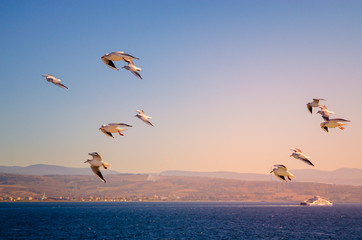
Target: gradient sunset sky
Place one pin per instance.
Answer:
(226, 83)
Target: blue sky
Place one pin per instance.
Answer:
(225, 82)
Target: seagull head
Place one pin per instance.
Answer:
(93, 154)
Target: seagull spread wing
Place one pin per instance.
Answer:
(137, 74)
(109, 63)
(281, 166)
(107, 133)
(306, 160)
(339, 120)
(120, 124)
(97, 172)
(296, 149)
(281, 177)
(309, 108)
(61, 85)
(148, 122)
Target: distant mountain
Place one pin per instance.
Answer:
(344, 176)
(142, 187)
(45, 169)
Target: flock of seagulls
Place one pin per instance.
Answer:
(96, 162)
(281, 171)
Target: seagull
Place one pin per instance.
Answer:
(333, 123)
(281, 172)
(54, 80)
(113, 128)
(96, 162)
(116, 56)
(324, 112)
(297, 154)
(313, 104)
(141, 115)
(131, 67)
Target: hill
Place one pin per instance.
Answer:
(344, 176)
(141, 187)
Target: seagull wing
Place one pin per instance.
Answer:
(281, 166)
(296, 149)
(128, 56)
(318, 99)
(339, 120)
(136, 74)
(148, 122)
(306, 160)
(107, 133)
(309, 108)
(60, 85)
(120, 124)
(97, 172)
(281, 177)
(109, 63)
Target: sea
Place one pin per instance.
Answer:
(178, 220)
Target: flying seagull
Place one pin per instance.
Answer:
(96, 162)
(281, 172)
(116, 56)
(313, 104)
(113, 128)
(324, 112)
(141, 115)
(333, 123)
(54, 80)
(131, 67)
(297, 154)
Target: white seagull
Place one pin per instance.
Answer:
(54, 80)
(324, 112)
(297, 154)
(131, 67)
(96, 162)
(313, 104)
(333, 123)
(116, 56)
(281, 172)
(113, 128)
(141, 115)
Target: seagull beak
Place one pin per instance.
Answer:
(271, 171)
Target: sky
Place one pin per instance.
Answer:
(225, 82)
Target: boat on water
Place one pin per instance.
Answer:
(316, 201)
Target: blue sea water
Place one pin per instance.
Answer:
(178, 220)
